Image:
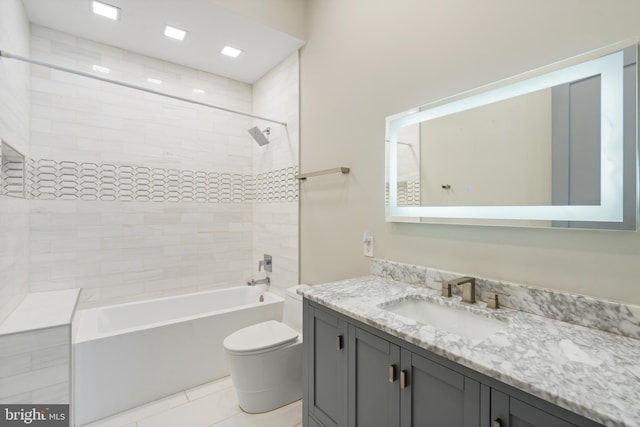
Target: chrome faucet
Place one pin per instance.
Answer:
(468, 285)
(266, 281)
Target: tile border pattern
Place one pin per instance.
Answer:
(48, 179)
(608, 316)
(408, 193)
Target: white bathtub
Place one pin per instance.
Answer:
(130, 354)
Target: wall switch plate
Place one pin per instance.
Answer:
(367, 244)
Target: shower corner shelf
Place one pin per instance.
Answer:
(342, 170)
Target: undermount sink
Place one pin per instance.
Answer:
(473, 326)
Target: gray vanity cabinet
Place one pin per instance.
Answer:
(326, 360)
(358, 379)
(435, 396)
(507, 411)
(358, 376)
(373, 397)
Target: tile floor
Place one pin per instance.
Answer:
(209, 405)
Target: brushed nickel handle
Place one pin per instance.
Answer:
(497, 423)
(392, 373)
(403, 379)
(339, 342)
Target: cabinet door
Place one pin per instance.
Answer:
(325, 339)
(507, 411)
(374, 399)
(436, 396)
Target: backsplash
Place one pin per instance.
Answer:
(609, 316)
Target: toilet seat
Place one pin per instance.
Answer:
(260, 338)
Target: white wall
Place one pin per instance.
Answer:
(365, 60)
(287, 16)
(14, 129)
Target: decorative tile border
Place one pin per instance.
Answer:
(408, 193)
(609, 316)
(277, 186)
(50, 179)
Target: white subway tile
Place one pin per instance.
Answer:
(176, 246)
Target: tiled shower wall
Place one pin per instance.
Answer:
(275, 213)
(14, 130)
(135, 195)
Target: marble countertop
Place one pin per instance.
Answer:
(590, 372)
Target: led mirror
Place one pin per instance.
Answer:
(552, 148)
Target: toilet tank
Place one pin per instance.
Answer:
(292, 314)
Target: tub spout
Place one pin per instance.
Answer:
(266, 281)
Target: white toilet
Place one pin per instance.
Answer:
(265, 360)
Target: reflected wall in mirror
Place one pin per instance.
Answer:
(12, 171)
(553, 148)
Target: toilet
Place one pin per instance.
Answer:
(265, 359)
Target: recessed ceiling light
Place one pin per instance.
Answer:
(231, 51)
(154, 81)
(101, 69)
(174, 33)
(105, 10)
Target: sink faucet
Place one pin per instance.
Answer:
(468, 288)
(266, 281)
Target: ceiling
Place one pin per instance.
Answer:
(140, 29)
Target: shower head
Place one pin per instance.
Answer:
(260, 136)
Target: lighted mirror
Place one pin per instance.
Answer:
(552, 148)
(12, 171)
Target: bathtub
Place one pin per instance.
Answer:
(129, 354)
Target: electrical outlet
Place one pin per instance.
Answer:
(367, 244)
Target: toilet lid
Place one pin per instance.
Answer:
(261, 336)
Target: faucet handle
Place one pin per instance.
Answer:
(266, 262)
(493, 300)
(446, 289)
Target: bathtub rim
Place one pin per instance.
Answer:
(86, 334)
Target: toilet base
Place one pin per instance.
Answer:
(267, 381)
(268, 400)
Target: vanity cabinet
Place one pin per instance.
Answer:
(435, 396)
(326, 365)
(507, 411)
(373, 378)
(358, 376)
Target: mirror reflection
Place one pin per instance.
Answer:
(552, 156)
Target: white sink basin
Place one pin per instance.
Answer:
(473, 326)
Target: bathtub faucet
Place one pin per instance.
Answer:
(266, 281)
(266, 262)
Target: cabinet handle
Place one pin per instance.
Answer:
(392, 373)
(497, 423)
(339, 342)
(403, 379)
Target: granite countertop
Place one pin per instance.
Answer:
(593, 373)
